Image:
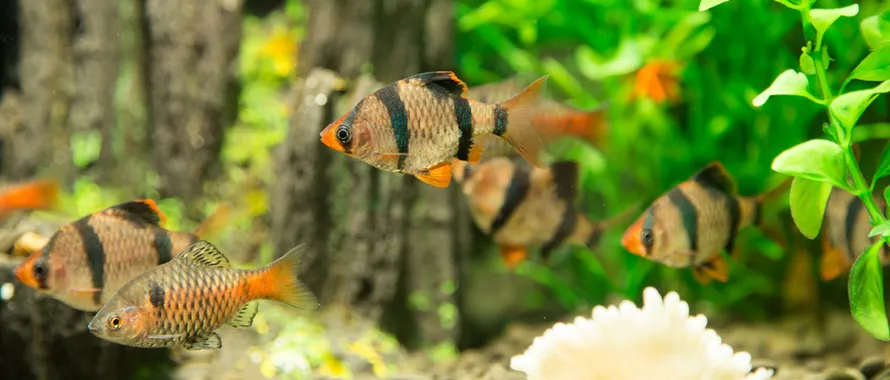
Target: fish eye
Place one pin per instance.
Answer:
(114, 323)
(343, 134)
(39, 271)
(646, 238)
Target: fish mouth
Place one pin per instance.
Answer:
(22, 272)
(631, 240)
(329, 140)
(93, 328)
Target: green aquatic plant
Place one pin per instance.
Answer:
(818, 165)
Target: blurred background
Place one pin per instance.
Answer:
(194, 103)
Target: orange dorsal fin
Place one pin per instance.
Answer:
(716, 269)
(513, 255)
(143, 209)
(438, 176)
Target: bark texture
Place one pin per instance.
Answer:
(382, 243)
(192, 46)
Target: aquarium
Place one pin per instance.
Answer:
(444, 189)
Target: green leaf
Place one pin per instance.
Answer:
(823, 18)
(817, 160)
(789, 82)
(875, 67)
(876, 30)
(866, 291)
(807, 66)
(708, 4)
(848, 107)
(883, 165)
(880, 229)
(808, 199)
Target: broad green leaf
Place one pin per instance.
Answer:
(875, 67)
(708, 4)
(789, 82)
(848, 107)
(817, 160)
(883, 165)
(823, 18)
(807, 66)
(876, 30)
(880, 229)
(808, 199)
(866, 291)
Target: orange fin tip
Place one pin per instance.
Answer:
(438, 176)
(716, 269)
(513, 255)
(476, 153)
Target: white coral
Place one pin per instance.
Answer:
(659, 341)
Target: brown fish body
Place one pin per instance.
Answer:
(522, 206)
(693, 222)
(845, 238)
(86, 261)
(417, 125)
(185, 300)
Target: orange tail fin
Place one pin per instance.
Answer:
(278, 281)
(590, 126)
(520, 130)
(40, 194)
(214, 223)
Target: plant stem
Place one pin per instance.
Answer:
(860, 185)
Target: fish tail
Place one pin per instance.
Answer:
(775, 192)
(599, 227)
(278, 281)
(514, 121)
(214, 223)
(752, 207)
(39, 194)
(590, 126)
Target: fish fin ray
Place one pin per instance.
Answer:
(205, 254)
(281, 279)
(447, 80)
(716, 176)
(438, 176)
(513, 255)
(244, 317)
(520, 130)
(215, 222)
(208, 341)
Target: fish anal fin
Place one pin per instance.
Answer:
(438, 176)
(447, 80)
(204, 254)
(208, 341)
(716, 176)
(145, 210)
(513, 255)
(476, 153)
(244, 317)
(833, 262)
(716, 269)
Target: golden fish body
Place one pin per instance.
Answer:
(186, 300)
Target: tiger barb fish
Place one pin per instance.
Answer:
(186, 300)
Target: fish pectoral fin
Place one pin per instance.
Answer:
(244, 317)
(716, 269)
(513, 255)
(438, 176)
(209, 341)
(833, 262)
(202, 253)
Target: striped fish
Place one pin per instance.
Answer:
(845, 235)
(522, 207)
(417, 125)
(86, 261)
(693, 222)
(550, 118)
(185, 300)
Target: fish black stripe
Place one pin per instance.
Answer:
(594, 237)
(565, 229)
(398, 118)
(516, 191)
(163, 245)
(853, 210)
(735, 218)
(43, 281)
(156, 295)
(689, 216)
(95, 252)
(464, 115)
(647, 226)
(500, 120)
